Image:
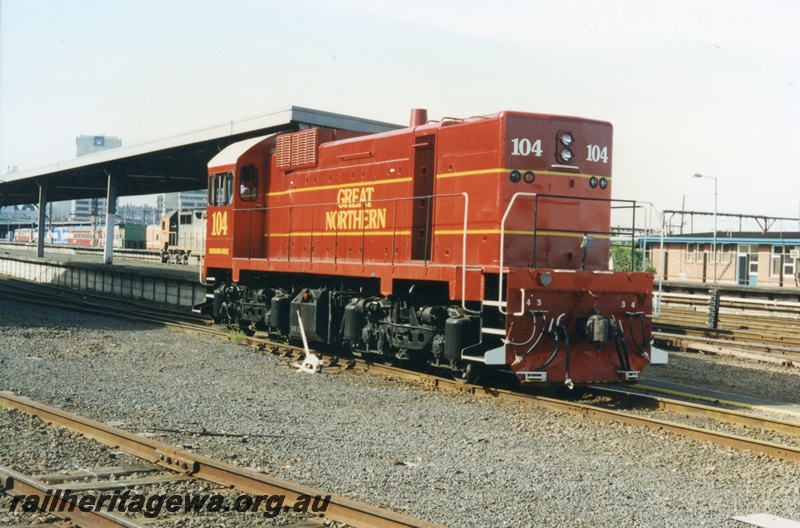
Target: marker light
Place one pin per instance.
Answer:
(593, 182)
(603, 183)
(529, 177)
(515, 176)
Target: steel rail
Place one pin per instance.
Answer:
(340, 509)
(741, 324)
(92, 299)
(593, 411)
(724, 337)
(698, 339)
(724, 415)
(772, 449)
(17, 484)
(61, 301)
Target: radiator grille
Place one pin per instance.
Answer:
(297, 150)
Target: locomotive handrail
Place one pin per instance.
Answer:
(500, 306)
(269, 210)
(536, 196)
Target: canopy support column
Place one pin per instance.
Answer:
(42, 217)
(111, 213)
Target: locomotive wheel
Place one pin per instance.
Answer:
(246, 329)
(472, 373)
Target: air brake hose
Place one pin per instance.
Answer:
(625, 351)
(640, 316)
(552, 356)
(622, 352)
(567, 379)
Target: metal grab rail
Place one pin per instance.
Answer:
(536, 196)
(500, 305)
(269, 211)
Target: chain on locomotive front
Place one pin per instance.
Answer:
(461, 243)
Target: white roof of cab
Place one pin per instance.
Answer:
(231, 153)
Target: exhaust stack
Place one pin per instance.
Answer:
(419, 116)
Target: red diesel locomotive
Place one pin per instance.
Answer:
(462, 243)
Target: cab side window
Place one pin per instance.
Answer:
(248, 183)
(220, 189)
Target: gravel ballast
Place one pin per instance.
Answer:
(454, 459)
(68, 453)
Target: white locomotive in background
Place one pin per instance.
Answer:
(181, 239)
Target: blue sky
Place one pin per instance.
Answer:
(690, 86)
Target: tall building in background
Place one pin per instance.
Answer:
(92, 210)
(91, 144)
(88, 209)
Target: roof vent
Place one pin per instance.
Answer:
(297, 150)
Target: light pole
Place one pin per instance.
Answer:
(714, 244)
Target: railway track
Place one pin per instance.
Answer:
(639, 410)
(341, 510)
(182, 465)
(754, 423)
(701, 340)
(598, 403)
(100, 304)
(767, 330)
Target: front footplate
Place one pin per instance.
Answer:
(534, 376)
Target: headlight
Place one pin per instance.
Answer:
(566, 139)
(566, 154)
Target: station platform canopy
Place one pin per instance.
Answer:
(176, 163)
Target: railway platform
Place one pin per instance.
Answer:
(138, 280)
